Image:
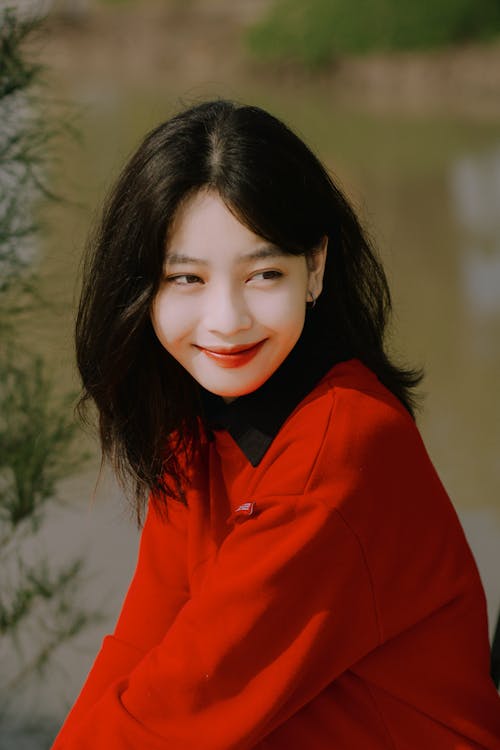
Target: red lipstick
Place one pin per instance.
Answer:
(235, 356)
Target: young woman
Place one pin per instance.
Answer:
(303, 581)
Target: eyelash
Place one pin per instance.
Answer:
(275, 274)
(175, 279)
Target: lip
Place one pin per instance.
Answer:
(235, 356)
(229, 349)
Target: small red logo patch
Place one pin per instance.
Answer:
(246, 509)
(242, 512)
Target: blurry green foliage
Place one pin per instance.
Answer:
(313, 32)
(38, 607)
(16, 73)
(36, 430)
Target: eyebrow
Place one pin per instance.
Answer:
(266, 251)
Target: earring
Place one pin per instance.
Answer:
(310, 303)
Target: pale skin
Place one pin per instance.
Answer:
(225, 289)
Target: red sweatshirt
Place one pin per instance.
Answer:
(325, 599)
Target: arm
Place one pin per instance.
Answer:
(285, 608)
(157, 592)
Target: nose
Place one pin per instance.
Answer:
(227, 312)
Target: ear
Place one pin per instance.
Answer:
(316, 262)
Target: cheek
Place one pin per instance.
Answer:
(169, 325)
(284, 310)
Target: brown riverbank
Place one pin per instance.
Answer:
(200, 43)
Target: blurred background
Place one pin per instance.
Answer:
(399, 99)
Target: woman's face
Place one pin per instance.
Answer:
(230, 306)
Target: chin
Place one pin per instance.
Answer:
(232, 393)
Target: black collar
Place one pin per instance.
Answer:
(254, 420)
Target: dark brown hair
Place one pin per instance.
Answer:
(148, 405)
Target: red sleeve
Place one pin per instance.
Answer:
(157, 592)
(284, 608)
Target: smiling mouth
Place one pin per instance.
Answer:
(236, 356)
(229, 350)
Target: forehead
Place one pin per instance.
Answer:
(204, 228)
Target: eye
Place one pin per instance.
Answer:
(267, 275)
(185, 279)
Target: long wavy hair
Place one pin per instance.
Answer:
(148, 404)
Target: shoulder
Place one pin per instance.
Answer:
(349, 423)
(368, 424)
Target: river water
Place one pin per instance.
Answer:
(428, 188)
